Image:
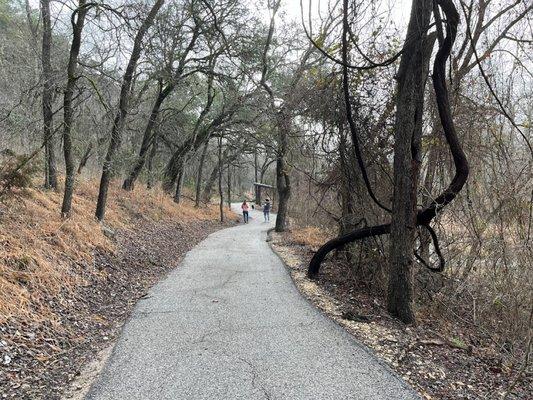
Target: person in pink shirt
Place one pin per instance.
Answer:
(245, 209)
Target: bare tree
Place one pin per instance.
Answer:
(118, 123)
(282, 115)
(399, 292)
(411, 78)
(77, 21)
(176, 76)
(50, 180)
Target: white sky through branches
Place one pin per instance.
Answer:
(399, 9)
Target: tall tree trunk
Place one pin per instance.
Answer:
(150, 166)
(197, 197)
(426, 196)
(220, 192)
(78, 21)
(172, 170)
(348, 186)
(175, 164)
(85, 158)
(256, 175)
(118, 123)
(50, 180)
(208, 189)
(179, 183)
(229, 187)
(411, 77)
(199, 135)
(162, 95)
(227, 158)
(283, 182)
(210, 183)
(430, 211)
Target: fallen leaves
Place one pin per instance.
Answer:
(436, 359)
(39, 359)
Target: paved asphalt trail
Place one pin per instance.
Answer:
(228, 323)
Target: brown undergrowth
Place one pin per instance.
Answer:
(443, 356)
(37, 247)
(67, 284)
(309, 236)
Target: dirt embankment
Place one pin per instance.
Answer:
(443, 358)
(67, 286)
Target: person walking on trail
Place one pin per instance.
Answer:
(266, 210)
(245, 209)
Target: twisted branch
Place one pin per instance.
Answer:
(426, 215)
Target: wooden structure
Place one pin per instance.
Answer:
(269, 189)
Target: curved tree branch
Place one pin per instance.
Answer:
(442, 260)
(424, 216)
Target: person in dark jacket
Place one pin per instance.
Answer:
(266, 210)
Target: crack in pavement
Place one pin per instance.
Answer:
(255, 377)
(204, 337)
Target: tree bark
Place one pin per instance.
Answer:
(78, 21)
(426, 196)
(118, 123)
(50, 180)
(283, 182)
(197, 197)
(411, 77)
(85, 158)
(151, 157)
(171, 171)
(220, 192)
(179, 182)
(208, 189)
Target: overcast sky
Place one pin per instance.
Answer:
(399, 9)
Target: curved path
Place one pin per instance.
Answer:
(228, 323)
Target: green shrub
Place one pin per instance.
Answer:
(16, 171)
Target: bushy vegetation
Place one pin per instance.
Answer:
(16, 171)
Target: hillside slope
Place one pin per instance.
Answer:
(66, 286)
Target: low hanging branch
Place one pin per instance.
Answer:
(425, 215)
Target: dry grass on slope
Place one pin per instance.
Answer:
(66, 287)
(310, 236)
(38, 248)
